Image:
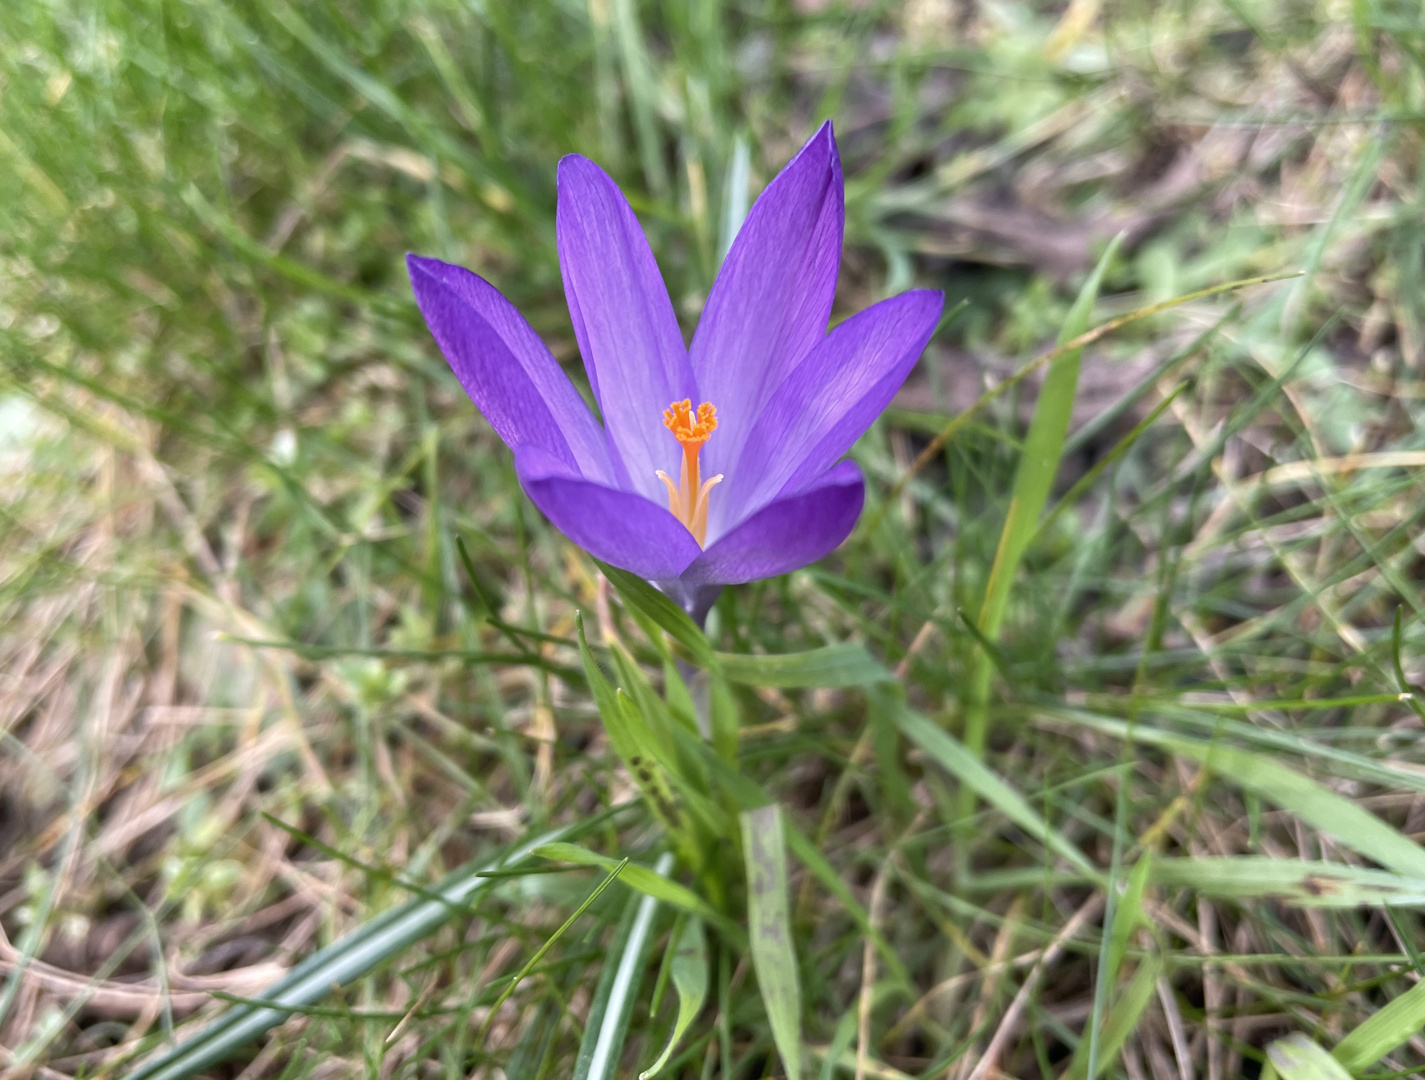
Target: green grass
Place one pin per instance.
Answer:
(296, 688)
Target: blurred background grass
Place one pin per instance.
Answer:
(235, 467)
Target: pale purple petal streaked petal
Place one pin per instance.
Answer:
(785, 535)
(506, 369)
(773, 295)
(623, 320)
(619, 527)
(828, 402)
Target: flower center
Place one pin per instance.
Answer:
(688, 499)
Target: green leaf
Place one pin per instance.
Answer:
(810, 856)
(1383, 1031)
(690, 979)
(1298, 1058)
(612, 1004)
(1316, 805)
(832, 666)
(540, 953)
(748, 795)
(840, 1044)
(956, 758)
(645, 881)
(723, 718)
(1033, 479)
(653, 723)
(373, 943)
(770, 924)
(1043, 446)
(1294, 881)
(1128, 914)
(734, 197)
(640, 751)
(679, 698)
(1123, 1018)
(666, 613)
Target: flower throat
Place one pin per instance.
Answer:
(688, 499)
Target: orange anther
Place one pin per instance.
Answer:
(689, 428)
(688, 499)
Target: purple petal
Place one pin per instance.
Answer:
(772, 296)
(624, 321)
(787, 534)
(826, 403)
(506, 369)
(616, 526)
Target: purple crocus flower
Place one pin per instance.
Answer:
(716, 464)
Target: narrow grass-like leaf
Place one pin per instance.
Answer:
(1128, 914)
(1305, 884)
(810, 856)
(656, 885)
(690, 980)
(612, 1005)
(1298, 1058)
(831, 666)
(1347, 764)
(1123, 1018)
(1315, 804)
(840, 1044)
(548, 944)
(1033, 478)
(963, 419)
(662, 610)
(1124, 914)
(735, 195)
(955, 758)
(639, 750)
(642, 90)
(370, 945)
(748, 795)
(1406, 690)
(723, 718)
(1383, 1030)
(1043, 446)
(770, 926)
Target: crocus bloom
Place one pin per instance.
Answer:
(718, 463)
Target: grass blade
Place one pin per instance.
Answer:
(678, 623)
(1043, 446)
(769, 921)
(351, 957)
(690, 979)
(735, 197)
(1315, 804)
(618, 986)
(1299, 882)
(650, 883)
(953, 756)
(1038, 465)
(1383, 1031)
(832, 666)
(1122, 1019)
(539, 954)
(1298, 1058)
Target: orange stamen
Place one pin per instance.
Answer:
(688, 499)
